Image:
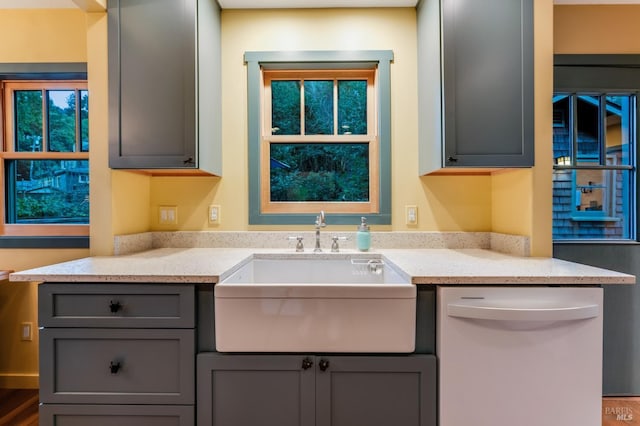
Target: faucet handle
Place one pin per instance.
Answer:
(320, 220)
(334, 246)
(299, 245)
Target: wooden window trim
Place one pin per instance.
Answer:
(9, 153)
(371, 138)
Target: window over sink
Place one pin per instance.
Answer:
(319, 136)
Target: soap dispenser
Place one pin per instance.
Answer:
(363, 236)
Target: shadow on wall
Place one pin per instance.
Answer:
(457, 203)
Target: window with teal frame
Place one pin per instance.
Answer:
(316, 103)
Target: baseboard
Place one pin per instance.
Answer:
(621, 411)
(19, 380)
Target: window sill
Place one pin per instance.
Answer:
(44, 242)
(595, 218)
(595, 241)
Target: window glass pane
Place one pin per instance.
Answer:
(352, 107)
(561, 130)
(588, 119)
(48, 191)
(320, 172)
(592, 204)
(62, 120)
(28, 120)
(618, 129)
(84, 121)
(285, 107)
(318, 107)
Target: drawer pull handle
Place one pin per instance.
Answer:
(114, 367)
(307, 363)
(323, 364)
(114, 306)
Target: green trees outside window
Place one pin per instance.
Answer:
(317, 171)
(44, 187)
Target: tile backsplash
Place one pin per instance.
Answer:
(517, 245)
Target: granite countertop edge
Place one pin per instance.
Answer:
(423, 266)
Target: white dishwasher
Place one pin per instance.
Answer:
(520, 356)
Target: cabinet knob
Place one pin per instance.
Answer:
(114, 367)
(451, 159)
(307, 363)
(323, 364)
(114, 306)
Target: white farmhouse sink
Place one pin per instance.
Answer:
(315, 303)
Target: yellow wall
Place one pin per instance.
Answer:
(522, 200)
(597, 29)
(32, 36)
(446, 204)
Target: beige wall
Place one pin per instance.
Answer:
(445, 204)
(597, 29)
(32, 36)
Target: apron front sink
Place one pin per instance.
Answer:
(315, 303)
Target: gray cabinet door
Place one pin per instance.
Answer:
(475, 84)
(376, 391)
(487, 53)
(116, 415)
(305, 390)
(152, 83)
(250, 390)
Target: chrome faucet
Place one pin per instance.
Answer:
(320, 223)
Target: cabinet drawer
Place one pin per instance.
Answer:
(107, 366)
(116, 415)
(116, 305)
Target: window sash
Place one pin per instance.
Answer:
(267, 139)
(9, 152)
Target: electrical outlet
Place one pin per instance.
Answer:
(26, 331)
(411, 215)
(168, 215)
(214, 214)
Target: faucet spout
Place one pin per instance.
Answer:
(320, 223)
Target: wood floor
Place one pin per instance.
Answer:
(18, 407)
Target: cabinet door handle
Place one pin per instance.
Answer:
(114, 306)
(307, 363)
(323, 364)
(114, 367)
(452, 159)
(188, 161)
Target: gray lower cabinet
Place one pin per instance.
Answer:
(475, 84)
(117, 354)
(116, 415)
(308, 390)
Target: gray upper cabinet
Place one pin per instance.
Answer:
(164, 85)
(475, 84)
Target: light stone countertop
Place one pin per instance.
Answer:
(424, 266)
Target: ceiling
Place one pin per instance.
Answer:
(243, 4)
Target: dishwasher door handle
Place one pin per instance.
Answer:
(485, 311)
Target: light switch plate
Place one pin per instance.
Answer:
(411, 215)
(168, 215)
(214, 214)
